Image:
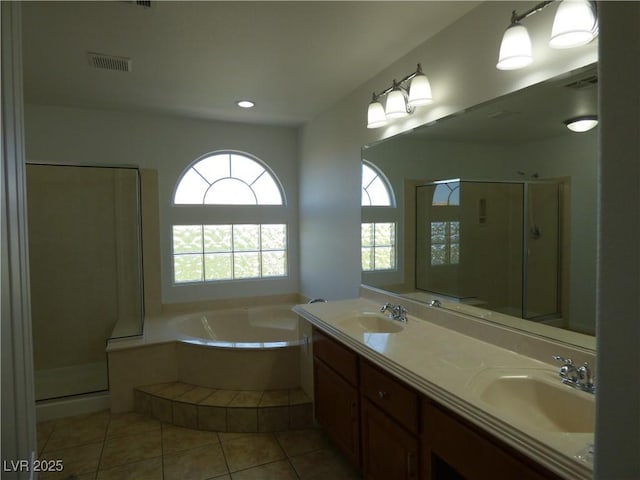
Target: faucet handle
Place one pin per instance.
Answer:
(564, 361)
(400, 309)
(586, 377)
(568, 371)
(386, 307)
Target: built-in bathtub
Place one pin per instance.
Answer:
(248, 348)
(242, 328)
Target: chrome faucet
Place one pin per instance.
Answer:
(397, 312)
(576, 377)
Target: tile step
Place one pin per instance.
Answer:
(210, 409)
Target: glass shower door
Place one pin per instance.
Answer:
(85, 259)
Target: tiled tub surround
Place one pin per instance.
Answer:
(442, 364)
(262, 355)
(202, 408)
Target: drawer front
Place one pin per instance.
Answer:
(474, 455)
(335, 355)
(391, 395)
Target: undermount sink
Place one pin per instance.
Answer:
(537, 399)
(373, 323)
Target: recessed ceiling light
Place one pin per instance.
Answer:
(245, 104)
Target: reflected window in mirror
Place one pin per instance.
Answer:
(447, 194)
(376, 189)
(378, 246)
(445, 235)
(378, 240)
(445, 243)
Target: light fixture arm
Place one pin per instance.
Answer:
(517, 18)
(402, 98)
(399, 84)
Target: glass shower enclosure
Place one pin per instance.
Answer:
(85, 271)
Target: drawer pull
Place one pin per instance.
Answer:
(382, 394)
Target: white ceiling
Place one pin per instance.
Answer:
(294, 59)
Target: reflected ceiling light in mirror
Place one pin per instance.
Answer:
(402, 98)
(582, 124)
(574, 24)
(245, 104)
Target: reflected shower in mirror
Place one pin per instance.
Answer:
(465, 229)
(516, 232)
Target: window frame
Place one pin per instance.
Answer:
(203, 214)
(229, 152)
(232, 252)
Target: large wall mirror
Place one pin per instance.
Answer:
(493, 210)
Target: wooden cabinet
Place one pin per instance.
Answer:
(389, 423)
(337, 401)
(452, 449)
(388, 450)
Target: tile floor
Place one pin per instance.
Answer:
(131, 446)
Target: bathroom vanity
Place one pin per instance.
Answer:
(415, 400)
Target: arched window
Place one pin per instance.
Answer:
(228, 178)
(378, 237)
(229, 249)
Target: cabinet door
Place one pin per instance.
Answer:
(388, 451)
(336, 409)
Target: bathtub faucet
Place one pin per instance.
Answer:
(397, 312)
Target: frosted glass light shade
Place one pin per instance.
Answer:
(574, 24)
(515, 49)
(396, 105)
(376, 117)
(582, 124)
(420, 91)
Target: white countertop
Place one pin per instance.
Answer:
(445, 365)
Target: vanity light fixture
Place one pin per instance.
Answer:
(581, 124)
(402, 98)
(574, 24)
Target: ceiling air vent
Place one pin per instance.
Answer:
(139, 3)
(109, 62)
(585, 82)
